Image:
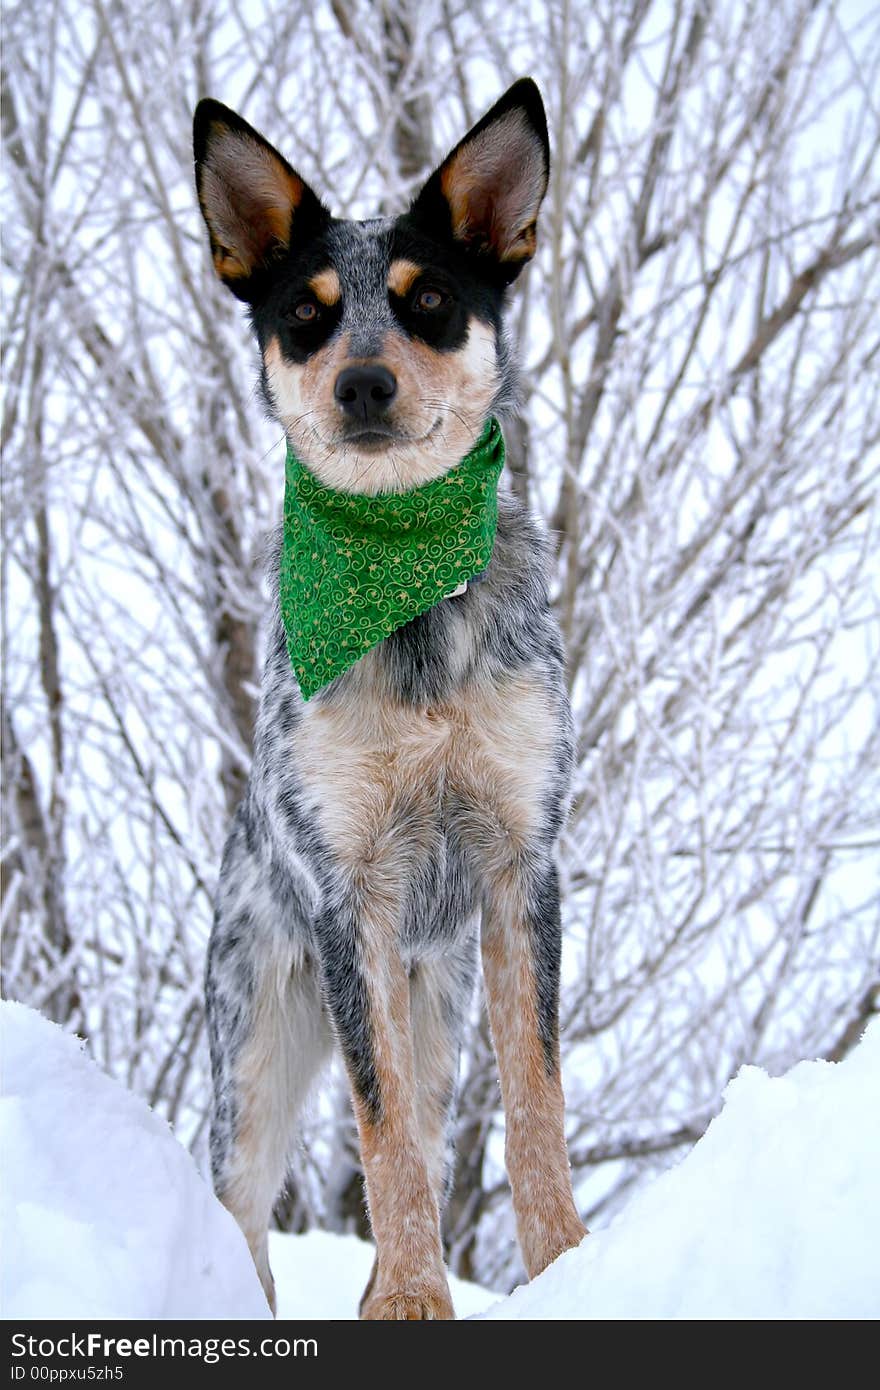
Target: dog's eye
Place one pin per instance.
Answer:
(430, 299)
(306, 311)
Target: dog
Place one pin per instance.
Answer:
(404, 820)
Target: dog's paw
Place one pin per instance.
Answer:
(545, 1246)
(429, 1305)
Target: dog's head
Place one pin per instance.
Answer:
(382, 341)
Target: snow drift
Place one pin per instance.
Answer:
(104, 1214)
(774, 1214)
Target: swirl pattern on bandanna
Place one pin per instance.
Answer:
(356, 568)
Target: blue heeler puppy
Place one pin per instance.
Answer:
(408, 813)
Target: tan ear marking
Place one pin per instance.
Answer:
(248, 198)
(524, 244)
(227, 265)
(326, 287)
(494, 185)
(403, 275)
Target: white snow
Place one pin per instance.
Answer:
(103, 1212)
(774, 1214)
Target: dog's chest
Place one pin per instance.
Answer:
(384, 779)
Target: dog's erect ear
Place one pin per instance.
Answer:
(251, 199)
(487, 192)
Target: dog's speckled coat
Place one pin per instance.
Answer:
(408, 814)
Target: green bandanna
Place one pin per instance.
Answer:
(355, 568)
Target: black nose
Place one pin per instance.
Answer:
(365, 392)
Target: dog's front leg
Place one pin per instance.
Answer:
(367, 989)
(521, 948)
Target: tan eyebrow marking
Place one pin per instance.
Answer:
(326, 286)
(402, 275)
